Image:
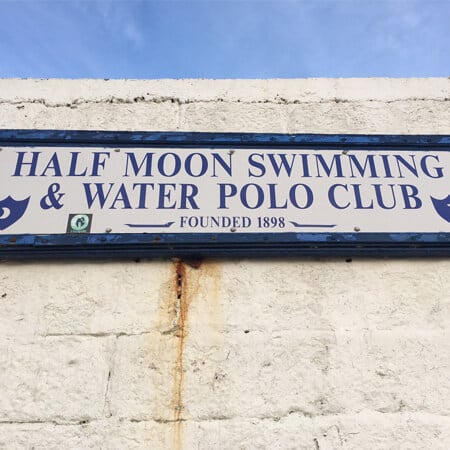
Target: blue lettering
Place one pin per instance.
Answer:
(359, 202)
(203, 167)
(438, 171)
(121, 196)
(305, 165)
(165, 196)
(273, 198)
(386, 165)
(259, 195)
(188, 192)
(226, 166)
(98, 162)
(380, 198)
(176, 165)
(362, 168)
(99, 194)
(226, 190)
(257, 165)
(283, 163)
(20, 162)
(410, 198)
(332, 198)
(53, 165)
(403, 162)
(147, 160)
(293, 196)
(329, 168)
(143, 193)
(73, 166)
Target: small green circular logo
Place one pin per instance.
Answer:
(79, 222)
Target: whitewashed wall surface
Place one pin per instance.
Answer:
(237, 354)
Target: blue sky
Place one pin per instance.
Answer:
(224, 39)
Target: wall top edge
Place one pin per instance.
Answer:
(54, 92)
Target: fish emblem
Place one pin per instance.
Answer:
(11, 211)
(442, 207)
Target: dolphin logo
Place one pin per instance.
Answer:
(442, 207)
(11, 211)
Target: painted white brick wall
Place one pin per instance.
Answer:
(278, 354)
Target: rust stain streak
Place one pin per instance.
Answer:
(190, 281)
(181, 283)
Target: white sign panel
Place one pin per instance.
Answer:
(58, 190)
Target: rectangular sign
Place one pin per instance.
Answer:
(236, 188)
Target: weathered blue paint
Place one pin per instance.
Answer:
(255, 140)
(192, 245)
(245, 245)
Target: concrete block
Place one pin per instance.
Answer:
(333, 295)
(54, 379)
(374, 117)
(102, 298)
(142, 382)
(234, 117)
(391, 371)
(158, 116)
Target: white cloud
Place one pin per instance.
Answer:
(133, 34)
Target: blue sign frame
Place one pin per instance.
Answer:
(198, 245)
